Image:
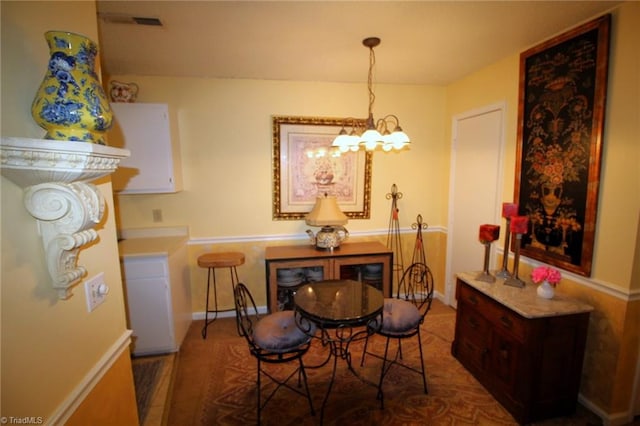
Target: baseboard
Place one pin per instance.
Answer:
(615, 419)
(75, 398)
(226, 314)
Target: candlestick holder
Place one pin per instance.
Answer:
(513, 279)
(504, 272)
(485, 275)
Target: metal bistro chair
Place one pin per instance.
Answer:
(402, 318)
(274, 339)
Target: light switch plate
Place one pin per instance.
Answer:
(96, 291)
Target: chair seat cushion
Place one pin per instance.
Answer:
(278, 332)
(399, 316)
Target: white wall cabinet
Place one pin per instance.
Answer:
(158, 300)
(149, 131)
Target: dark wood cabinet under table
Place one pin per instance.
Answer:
(527, 351)
(289, 267)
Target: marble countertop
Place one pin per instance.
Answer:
(525, 301)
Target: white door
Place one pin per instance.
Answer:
(475, 189)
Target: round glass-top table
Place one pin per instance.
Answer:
(339, 303)
(352, 310)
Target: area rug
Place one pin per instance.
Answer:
(215, 385)
(146, 375)
(454, 397)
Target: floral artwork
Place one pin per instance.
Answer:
(305, 166)
(560, 126)
(315, 170)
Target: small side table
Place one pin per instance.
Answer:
(211, 261)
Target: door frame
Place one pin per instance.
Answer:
(456, 119)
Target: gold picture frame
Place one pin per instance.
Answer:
(300, 173)
(563, 86)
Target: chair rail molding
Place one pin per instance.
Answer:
(55, 176)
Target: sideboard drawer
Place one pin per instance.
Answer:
(497, 314)
(506, 320)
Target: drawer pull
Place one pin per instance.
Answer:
(506, 321)
(473, 300)
(472, 323)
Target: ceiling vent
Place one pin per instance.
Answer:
(114, 18)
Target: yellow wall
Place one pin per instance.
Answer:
(225, 146)
(52, 350)
(612, 345)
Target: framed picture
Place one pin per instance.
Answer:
(305, 166)
(563, 84)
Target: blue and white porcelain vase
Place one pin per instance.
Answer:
(71, 105)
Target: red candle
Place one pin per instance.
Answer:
(489, 233)
(509, 209)
(519, 224)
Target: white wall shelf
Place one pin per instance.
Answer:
(55, 176)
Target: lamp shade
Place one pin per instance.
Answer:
(326, 212)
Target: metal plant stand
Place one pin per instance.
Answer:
(394, 241)
(418, 249)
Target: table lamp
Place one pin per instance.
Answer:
(327, 214)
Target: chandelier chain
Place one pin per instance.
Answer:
(372, 96)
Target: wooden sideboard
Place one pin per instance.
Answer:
(525, 350)
(289, 267)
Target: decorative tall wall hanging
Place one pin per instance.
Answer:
(563, 85)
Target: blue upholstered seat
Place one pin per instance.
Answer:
(399, 316)
(279, 333)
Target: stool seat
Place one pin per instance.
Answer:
(221, 260)
(211, 261)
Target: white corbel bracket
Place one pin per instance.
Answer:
(54, 177)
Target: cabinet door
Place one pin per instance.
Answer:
(374, 270)
(144, 130)
(150, 315)
(285, 277)
(505, 358)
(473, 334)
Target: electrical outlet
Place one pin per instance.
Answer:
(157, 215)
(95, 290)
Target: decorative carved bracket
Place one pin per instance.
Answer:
(54, 177)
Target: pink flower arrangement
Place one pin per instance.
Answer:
(546, 273)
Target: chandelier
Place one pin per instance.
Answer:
(376, 133)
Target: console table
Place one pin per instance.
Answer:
(290, 267)
(527, 351)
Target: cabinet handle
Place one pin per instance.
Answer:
(505, 350)
(506, 321)
(472, 323)
(473, 300)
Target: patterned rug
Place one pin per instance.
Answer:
(215, 385)
(146, 374)
(455, 397)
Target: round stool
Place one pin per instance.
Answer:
(211, 261)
